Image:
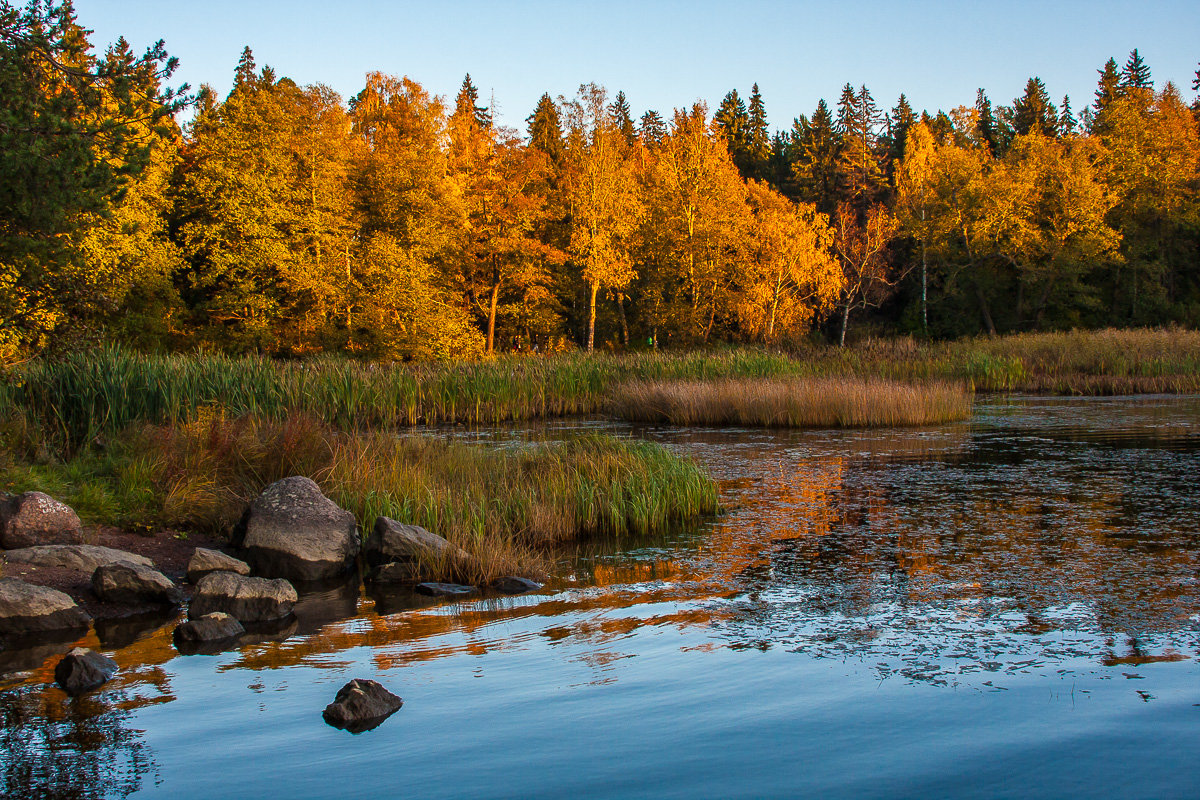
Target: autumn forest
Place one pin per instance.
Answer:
(394, 224)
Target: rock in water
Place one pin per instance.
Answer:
(392, 541)
(293, 531)
(25, 608)
(34, 518)
(209, 628)
(395, 572)
(512, 584)
(82, 670)
(134, 584)
(445, 589)
(204, 561)
(81, 557)
(361, 705)
(245, 599)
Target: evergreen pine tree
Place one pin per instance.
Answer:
(622, 118)
(1033, 112)
(989, 129)
(1108, 87)
(733, 122)
(245, 73)
(758, 139)
(1067, 124)
(860, 176)
(545, 129)
(816, 145)
(901, 118)
(652, 129)
(1136, 75)
(468, 99)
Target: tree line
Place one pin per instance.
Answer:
(284, 219)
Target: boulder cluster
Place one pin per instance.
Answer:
(290, 533)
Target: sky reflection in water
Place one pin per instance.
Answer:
(1008, 607)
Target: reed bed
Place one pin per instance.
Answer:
(505, 507)
(793, 403)
(86, 395)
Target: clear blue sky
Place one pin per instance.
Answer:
(670, 54)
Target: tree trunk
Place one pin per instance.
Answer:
(845, 324)
(924, 286)
(495, 301)
(592, 318)
(985, 311)
(621, 314)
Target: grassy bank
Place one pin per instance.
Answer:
(505, 507)
(792, 402)
(82, 396)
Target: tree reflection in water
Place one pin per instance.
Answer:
(54, 747)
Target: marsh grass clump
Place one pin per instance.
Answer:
(506, 507)
(793, 403)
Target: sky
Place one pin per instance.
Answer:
(670, 54)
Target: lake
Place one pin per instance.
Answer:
(1008, 607)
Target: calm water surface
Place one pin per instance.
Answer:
(1006, 608)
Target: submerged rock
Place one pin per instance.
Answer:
(133, 584)
(34, 518)
(396, 572)
(81, 557)
(204, 561)
(213, 627)
(394, 542)
(245, 599)
(25, 608)
(82, 670)
(294, 531)
(445, 589)
(361, 705)
(512, 584)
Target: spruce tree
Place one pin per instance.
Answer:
(758, 139)
(1067, 124)
(1136, 75)
(652, 130)
(860, 176)
(468, 100)
(816, 146)
(245, 73)
(545, 129)
(989, 129)
(899, 121)
(622, 118)
(733, 122)
(1033, 112)
(1108, 87)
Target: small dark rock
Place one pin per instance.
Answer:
(445, 589)
(361, 705)
(245, 599)
(82, 670)
(80, 557)
(392, 541)
(34, 518)
(133, 584)
(209, 628)
(204, 561)
(512, 584)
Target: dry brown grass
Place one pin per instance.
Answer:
(793, 402)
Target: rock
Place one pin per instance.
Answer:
(395, 542)
(25, 608)
(204, 561)
(212, 627)
(81, 557)
(34, 518)
(512, 584)
(361, 705)
(245, 599)
(445, 589)
(116, 633)
(134, 584)
(396, 572)
(293, 531)
(82, 670)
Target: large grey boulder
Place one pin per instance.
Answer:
(81, 557)
(82, 670)
(212, 627)
(293, 531)
(134, 584)
(34, 518)
(394, 542)
(204, 561)
(25, 608)
(361, 705)
(244, 599)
